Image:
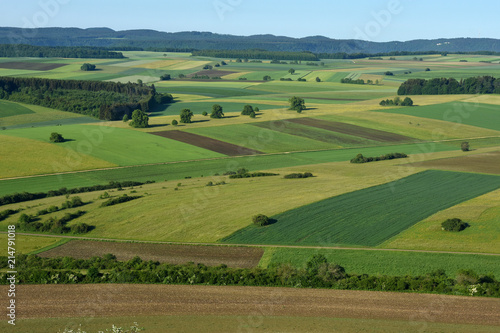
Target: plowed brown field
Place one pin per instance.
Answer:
(363, 132)
(484, 163)
(106, 300)
(30, 66)
(244, 257)
(208, 143)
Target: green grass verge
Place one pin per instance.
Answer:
(371, 216)
(390, 262)
(31, 244)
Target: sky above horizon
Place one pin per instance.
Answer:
(375, 20)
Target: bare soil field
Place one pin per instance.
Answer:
(208, 143)
(30, 66)
(241, 257)
(107, 300)
(345, 128)
(483, 163)
(212, 73)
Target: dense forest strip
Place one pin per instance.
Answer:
(24, 50)
(99, 99)
(442, 86)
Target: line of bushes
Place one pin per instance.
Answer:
(6, 213)
(252, 175)
(318, 273)
(73, 203)
(298, 175)
(361, 159)
(26, 196)
(118, 200)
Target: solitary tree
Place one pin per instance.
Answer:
(260, 220)
(291, 71)
(139, 119)
(318, 79)
(186, 115)
(165, 77)
(56, 137)
(175, 122)
(247, 109)
(87, 67)
(216, 111)
(465, 146)
(267, 78)
(297, 104)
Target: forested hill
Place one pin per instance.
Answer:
(164, 41)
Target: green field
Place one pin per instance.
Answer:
(475, 114)
(10, 109)
(371, 216)
(118, 146)
(395, 263)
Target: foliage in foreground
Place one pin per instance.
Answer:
(318, 273)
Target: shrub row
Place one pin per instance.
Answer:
(361, 159)
(318, 273)
(299, 175)
(119, 200)
(26, 196)
(29, 223)
(6, 213)
(253, 174)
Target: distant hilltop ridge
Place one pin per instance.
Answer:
(152, 39)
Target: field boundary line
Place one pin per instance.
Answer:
(248, 245)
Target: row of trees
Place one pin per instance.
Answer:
(257, 54)
(361, 159)
(442, 86)
(397, 102)
(186, 115)
(317, 273)
(23, 50)
(99, 99)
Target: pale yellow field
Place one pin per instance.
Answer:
(29, 157)
(188, 65)
(159, 64)
(234, 76)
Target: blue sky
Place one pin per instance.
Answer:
(375, 20)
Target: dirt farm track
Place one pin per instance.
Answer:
(109, 300)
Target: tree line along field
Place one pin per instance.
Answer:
(340, 121)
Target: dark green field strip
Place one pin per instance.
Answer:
(8, 109)
(288, 127)
(180, 170)
(475, 114)
(396, 263)
(369, 217)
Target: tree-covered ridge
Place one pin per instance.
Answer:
(23, 50)
(443, 86)
(99, 99)
(257, 54)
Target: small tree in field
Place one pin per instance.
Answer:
(56, 137)
(297, 104)
(260, 220)
(465, 146)
(125, 118)
(175, 122)
(217, 111)
(247, 110)
(186, 116)
(291, 71)
(139, 119)
(454, 224)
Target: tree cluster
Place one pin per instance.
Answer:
(88, 67)
(100, 99)
(53, 225)
(119, 200)
(298, 175)
(351, 81)
(397, 102)
(454, 224)
(442, 86)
